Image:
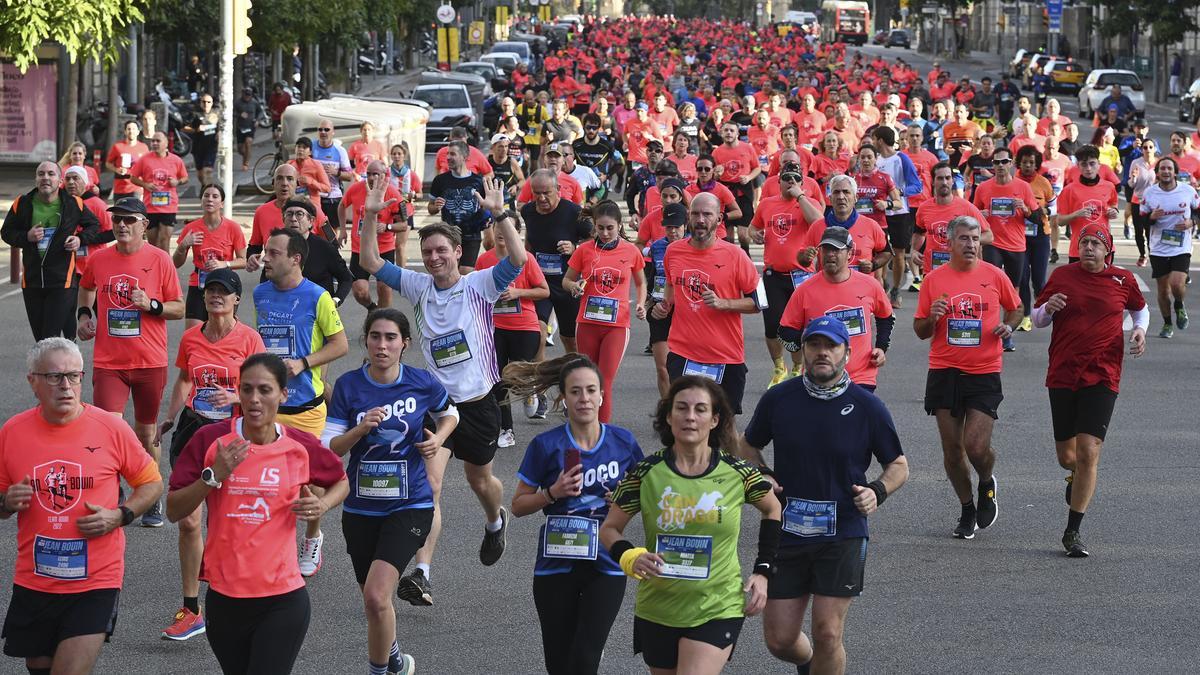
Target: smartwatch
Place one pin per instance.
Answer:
(209, 477)
(127, 515)
(156, 307)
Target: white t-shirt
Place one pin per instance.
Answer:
(586, 177)
(894, 167)
(1166, 239)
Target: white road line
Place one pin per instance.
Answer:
(10, 293)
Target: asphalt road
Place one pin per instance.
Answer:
(1006, 602)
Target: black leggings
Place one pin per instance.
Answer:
(1141, 229)
(576, 610)
(257, 636)
(512, 345)
(51, 311)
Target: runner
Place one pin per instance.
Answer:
(900, 219)
(871, 248)
(931, 232)
(674, 224)
(135, 290)
(706, 182)
(692, 627)
(568, 473)
(350, 217)
(75, 180)
(70, 551)
(209, 358)
(1085, 362)
(711, 284)
(333, 157)
(311, 179)
(553, 230)
(1037, 234)
(215, 242)
(365, 150)
(324, 265)
(849, 296)
(1091, 200)
(257, 603)
(457, 338)
(1170, 206)
(299, 322)
(378, 417)
(405, 179)
(598, 275)
(160, 172)
(455, 196)
(738, 169)
(959, 308)
(825, 429)
(121, 158)
(505, 169)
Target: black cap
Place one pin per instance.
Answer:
(128, 205)
(672, 182)
(224, 277)
(837, 237)
(652, 143)
(674, 215)
(298, 203)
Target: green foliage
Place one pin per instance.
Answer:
(87, 29)
(195, 23)
(1169, 20)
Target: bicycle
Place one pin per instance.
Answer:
(264, 169)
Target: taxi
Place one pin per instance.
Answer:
(1065, 74)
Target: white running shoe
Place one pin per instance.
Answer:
(507, 439)
(310, 555)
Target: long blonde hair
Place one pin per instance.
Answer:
(63, 161)
(529, 378)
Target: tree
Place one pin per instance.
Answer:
(95, 29)
(1169, 22)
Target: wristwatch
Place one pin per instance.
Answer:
(127, 515)
(156, 307)
(209, 477)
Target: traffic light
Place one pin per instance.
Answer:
(241, 26)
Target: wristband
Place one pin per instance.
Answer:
(628, 558)
(127, 515)
(881, 493)
(82, 311)
(618, 549)
(156, 308)
(764, 569)
(304, 360)
(769, 532)
(549, 497)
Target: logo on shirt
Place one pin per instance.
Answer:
(940, 234)
(120, 290)
(605, 280)
(694, 283)
(847, 410)
(209, 376)
(967, 306)
(781, 225)
(676, 511)
(1097, 207)
(254, 513)
(58, 483)
(1120, 280)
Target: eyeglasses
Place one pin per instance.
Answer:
(374, 173)
(55, 379)
(325, 129)
(295, 214)
(127, 220)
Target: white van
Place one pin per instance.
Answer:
(394, 121)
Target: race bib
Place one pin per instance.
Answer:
(81, 252)
(382, 480)
(854, 318)
(1171, 237)
(1003, 208)
(865, 205)
(684, 556)
(65, 559)
(964, 332)
(551, 263)
(799, 277)
(711, 371)
(450, 349)
(160, 198)
(126, 160)
(601, 309)
(208, 129)
(507, 306)
(940, 258)
(805, 518)
(44, 242)
(301, 191)
(279, 340)
(124, 323)
(571, 537)
(204, 406)
(659, 287)
(1031, 228)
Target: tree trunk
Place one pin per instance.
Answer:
(114, 106)
(71, 109)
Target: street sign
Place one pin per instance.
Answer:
(446, 13)
(475, 33)
(1054, 12)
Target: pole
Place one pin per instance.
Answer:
(225, 147)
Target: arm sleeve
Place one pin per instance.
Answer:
(1141, 317)
(912, 179)
(390, 274)
(883, 331)
(503, 274)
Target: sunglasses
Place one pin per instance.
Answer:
(591, 128)
(127, 220)
(703, 169)
(1003, 161)
(325, 129)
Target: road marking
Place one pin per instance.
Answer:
(11, 293)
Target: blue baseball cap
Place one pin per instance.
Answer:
(828, 326)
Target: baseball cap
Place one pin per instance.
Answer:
(654, 144)
(224, 277)
(673, 182)
(674, 215)
(837, 237)
(128, 205)
(500, 138)
(554, 148)
(830, 327)
(641, 105)
(894, 99)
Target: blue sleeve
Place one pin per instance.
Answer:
(532, 464)
(758, 432)
(912, 179)
(503, 274)
(339, 405)
(390, 274)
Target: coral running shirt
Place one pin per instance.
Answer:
(784, 232)
(126, 336)
(163, 197)
(71, 465)
(362, 153)
(519, 315)
(737, 161)
(933, 218)
(219, 244)
(1008, 224)
(213, 366)
(1075, 196)
(125, 155)
(869, 238)
(355, 200)
(963, 338)
(607, 276)
(853, 301)
(699, 332)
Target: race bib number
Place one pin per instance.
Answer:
(208, 129)
(964, 332)
(450, 349)
(65, 559)
(551, 263)
(940, 258)
(571, 537)
(160, 198)
(507, 306)
(799, 277)
(684, 557)
(204, 406)
(124, 323)
(805, 518)
(865, 205)
(1031, 228)
(711, 371)
(1169, 237)
(601, 309)
(382, 480)
(126, 160)
(1003, 208)
(279, 340)
(44, 242)
(854, 318)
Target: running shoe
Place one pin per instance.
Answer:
(1009, 345)
(966, 527)
(416, 588)
(1141, 261)
(1181, 318)
(153, 517)
(1070, 480)
(507, 439)
(530, 406)
(542, 407)
(1053, 256)
(493, 542)
(1074, 545)
(1128, 233)
(1167, 332)
(310, 555)
(915, 286)
(986, 510)
(407, 666)
(797, 370)
(550, 328)
(649, 349)
(777, 376)
(187, 624)
(907, 280)
(1026, 325)
(894, 297)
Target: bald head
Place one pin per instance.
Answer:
(285, 182)
(47, 178)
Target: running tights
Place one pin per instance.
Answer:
(605, 345)
(576, 610)
(512, 345)
(257, 636)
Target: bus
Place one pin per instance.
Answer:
(845, 21)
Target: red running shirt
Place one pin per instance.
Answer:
(963, 338)
(355, 199)
(126, 336)
(1075, 196)
(853, 301)
(737, 161)
(1008, 225)
(784, 232)
(512, 314)
(698, 332)
(933, 218)
(608, 274)
(219, 244)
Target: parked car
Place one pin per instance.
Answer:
(1189, 103)
(506, 61)
(899, 38)
(1036, 63)
(450, 106)
(1018, 64)
(521, 49)
(880, 37)
(488, 71)
(1097, 84)
(1065, 75)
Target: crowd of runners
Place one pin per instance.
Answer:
(627, 179)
